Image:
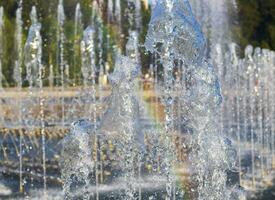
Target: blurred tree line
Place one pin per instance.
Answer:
(47, 16)
(256, 23)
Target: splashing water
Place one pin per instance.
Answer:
(214, 18)
(132, 47)
(174, 27)
(17, 75)
(76, 159)
(118, 14)
(177, 25)
(78, 28)
(122, 153)
(89, 67)
(110, 10)
(33, 51)
(88, 55)
(35, 74)
(33, 15)
(18, 36)
(138, 17)
(1, 58)
(77, 18)
(122, 83)
(122, 118)
(60, 52)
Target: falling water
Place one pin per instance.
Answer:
(110, 11)
(97, 17)
(1, 45)
(17, 75)
(32, 51)
(89, 74)
(118, 15)
(18, 46)
(132, 46)
(182, 78)
(160, 12)
(210, 156)
(51, 76)
(77, 19)
(122, 118)
(252, 68)
(246, 118)
(88, 54)
(100, 52)
(100, 46)
(1, 59)
(60, 52)
(213, 16)
(88, 65)
(35, 71)
(110, 18)
(272, 118)
(153, 3)
(133, 54)
(78, 28)
(33, 15)
(101, 84)
(76, 160)
(138, 17)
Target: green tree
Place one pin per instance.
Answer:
(257, 23)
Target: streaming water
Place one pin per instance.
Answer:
(60, 52)
(1, 46)
(17, 75)
(32, 51)
(149, 135)
(214, 18)
(78, 28)
(138, 17)
(174, 27)
(118, 15)
(110, 10)
(89, 74)
(35, 74)
(51, 76)
(1, 62)
(88, 62)
(18, 46)
(76, 160)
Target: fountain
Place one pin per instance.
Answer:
(60, 53)
(1, 44)
(88, 55)
(118, 15)
(76, 159)
(33, 52)
(17, 75)
(198, 125)
(123, 114)
(89, 67)
(213, 17)
(78, 28)
(35, 71)
(172, 24)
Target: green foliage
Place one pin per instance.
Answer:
(257, 23)
(47, 16)
(256, 26)
(8, 50)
